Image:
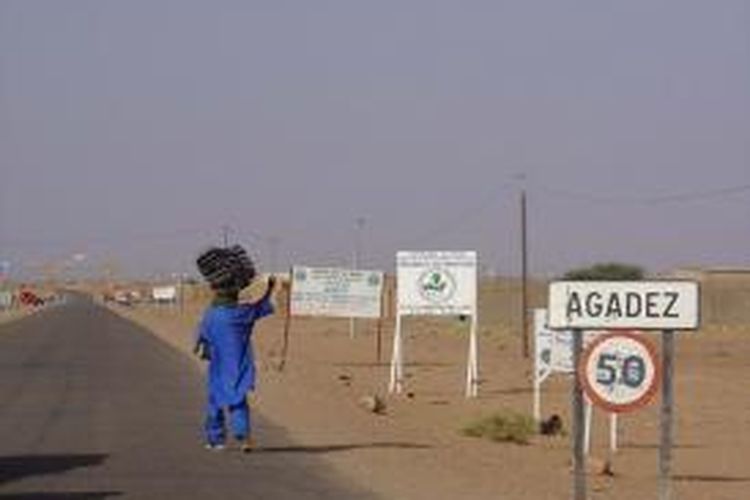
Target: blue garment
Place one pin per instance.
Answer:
(215, 425)
(225, 333)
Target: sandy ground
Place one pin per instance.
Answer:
(7, 315)
(416, 450)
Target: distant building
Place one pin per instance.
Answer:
(702, 274)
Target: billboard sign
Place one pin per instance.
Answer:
(344, 293)
(437, 283)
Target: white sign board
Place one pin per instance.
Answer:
(553, 353)
(6, 300)
(647, 305)
(164, 293)
(437, 283)
(554, 348)
(333, 292)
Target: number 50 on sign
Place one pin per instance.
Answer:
(620, 371)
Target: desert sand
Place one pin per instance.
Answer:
(415, 449)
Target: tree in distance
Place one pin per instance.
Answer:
(606, 271)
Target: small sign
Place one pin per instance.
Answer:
(648, 305)
(437, 283)
(6, 300)
(620, 372)
(163, 294)
(334, 292)
(554, 348)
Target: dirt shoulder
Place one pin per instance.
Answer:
(415, 450)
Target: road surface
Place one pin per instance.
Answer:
(93, 407)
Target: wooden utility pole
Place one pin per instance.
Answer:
(524, 278)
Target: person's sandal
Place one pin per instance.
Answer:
(247, 445)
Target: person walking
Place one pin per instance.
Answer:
(224, 339)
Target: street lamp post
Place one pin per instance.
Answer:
(356, 260)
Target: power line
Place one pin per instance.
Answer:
(465, 216)
(685, 197)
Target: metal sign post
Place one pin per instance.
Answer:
(579, 455)
(472, 366)
(397, 360)
(667, 416)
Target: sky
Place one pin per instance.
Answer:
(134, 134)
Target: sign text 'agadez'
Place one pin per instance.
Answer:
(655, 305)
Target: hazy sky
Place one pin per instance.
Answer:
(132, 131)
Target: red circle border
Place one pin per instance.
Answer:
(645, 398)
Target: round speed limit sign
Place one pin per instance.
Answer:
(619, 371)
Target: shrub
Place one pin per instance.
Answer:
(503, 427)
(608, 271)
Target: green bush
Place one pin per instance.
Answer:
(608, 271)
(502, 427)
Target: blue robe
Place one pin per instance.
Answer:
(225, 332)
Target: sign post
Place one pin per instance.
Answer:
(667, 417)
(438, 284)
(579, 455)
(553, 353)
(620, 371)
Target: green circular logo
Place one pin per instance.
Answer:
(437, 285)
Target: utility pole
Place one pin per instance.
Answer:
(273, 250)
(356, 258)
(225, 235)
(524, 277)
(360, 222)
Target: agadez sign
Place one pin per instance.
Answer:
(654, 305)
(629, 305)
(620, 371)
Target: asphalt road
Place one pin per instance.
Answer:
(93, 407)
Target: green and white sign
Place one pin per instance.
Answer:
(437, 283)
(344, 293)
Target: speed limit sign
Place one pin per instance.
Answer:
(619, 371)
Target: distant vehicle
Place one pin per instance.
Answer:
(123, 298)
(135, 297)
(29, 298)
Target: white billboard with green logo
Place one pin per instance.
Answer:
(436, 283)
